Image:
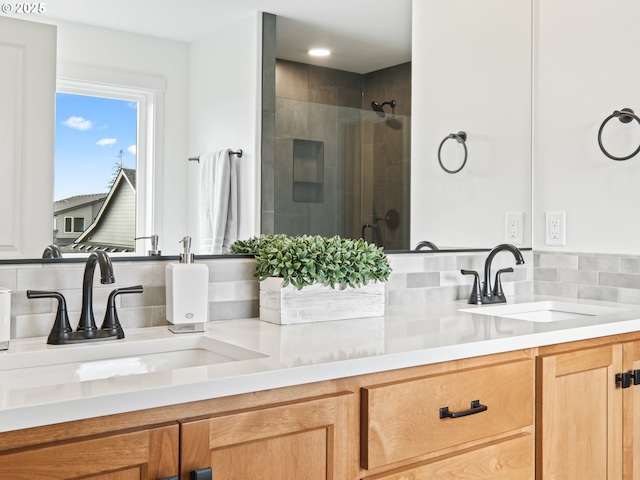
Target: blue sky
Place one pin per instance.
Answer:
(90, 132)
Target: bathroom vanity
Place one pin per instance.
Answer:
(402, 396)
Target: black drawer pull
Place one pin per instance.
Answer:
(475, 408)
(201, 474)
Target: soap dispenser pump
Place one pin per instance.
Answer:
(187, 285)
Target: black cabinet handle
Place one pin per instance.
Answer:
(201, 474)
(476, 407)
(175, 477)
(624, 379)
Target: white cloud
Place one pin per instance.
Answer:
(132, 149)
(78, 123)
(106, 142)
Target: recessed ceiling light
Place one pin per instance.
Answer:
(319, 52)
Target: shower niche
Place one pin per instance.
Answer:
(308, 171)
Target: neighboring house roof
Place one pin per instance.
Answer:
(71, 203)
(114, 227)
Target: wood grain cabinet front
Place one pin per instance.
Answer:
(304, 440)
(146, 454)
(445, 413)
(588, 413)
(509, 459)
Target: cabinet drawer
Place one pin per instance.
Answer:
(403, 420)
(511, 459)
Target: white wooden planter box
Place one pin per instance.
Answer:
(317, 303)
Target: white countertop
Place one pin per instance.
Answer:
(288, 355)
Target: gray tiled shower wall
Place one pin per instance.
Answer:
(233, 291)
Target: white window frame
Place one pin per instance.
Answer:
(148, 91)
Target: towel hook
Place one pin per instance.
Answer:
(625, 115)
(461, 137)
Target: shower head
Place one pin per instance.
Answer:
(379, 108)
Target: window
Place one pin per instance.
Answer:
(103, 170)
(73, 224)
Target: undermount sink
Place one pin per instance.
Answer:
(544, 311)
(62, 365)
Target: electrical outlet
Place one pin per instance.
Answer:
(556, 228)
(513, 228)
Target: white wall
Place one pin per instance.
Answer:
(139, 55)
(586, 66)
(471, 72)
(224, 111)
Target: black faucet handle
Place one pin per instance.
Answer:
(111, 322)
(497, 286)
(61, 327)
(475, 297)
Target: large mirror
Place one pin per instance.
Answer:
(462, 181)
(414, 199)
(339, 161)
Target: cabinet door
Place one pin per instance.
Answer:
(141, 455)
(631, 416)
(579, 421)
(306, 440)
(27, 112)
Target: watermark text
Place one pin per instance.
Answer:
(23, 8)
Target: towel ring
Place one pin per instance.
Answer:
(625, 115)
(461, 137)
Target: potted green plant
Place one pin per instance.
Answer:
(313, 278)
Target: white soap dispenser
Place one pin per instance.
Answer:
(187, 285)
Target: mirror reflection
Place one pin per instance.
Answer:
(342, 154)
(340, 157)
(95, 172)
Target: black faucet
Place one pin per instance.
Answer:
(52, 251)
(426, 244)
(495, 294)
(87, 322)
(61, 333)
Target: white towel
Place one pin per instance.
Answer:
(218, 202)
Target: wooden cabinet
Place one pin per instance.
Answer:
(631, 414)
(509, 459)
(308, 432)
(393, 425)
(586, 419)
(579, 423)
(146, 454)
(477, 420)
(305, 440)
